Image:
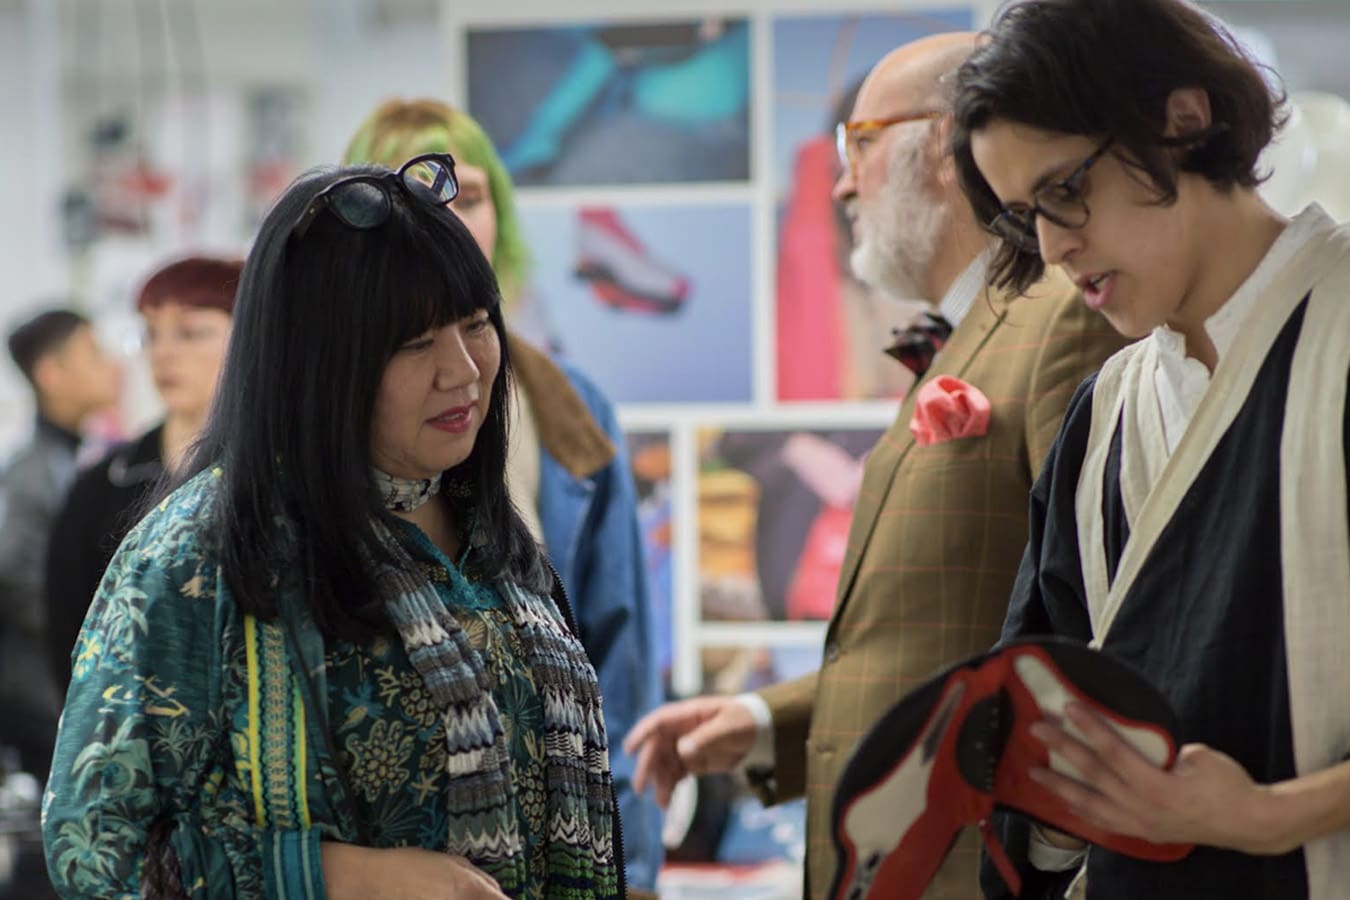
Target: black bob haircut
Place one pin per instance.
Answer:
(1105, 68)
(316, 321)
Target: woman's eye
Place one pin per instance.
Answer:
(466, 202)
(419, 344)
(479, 324)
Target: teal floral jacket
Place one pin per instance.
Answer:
(182, 713)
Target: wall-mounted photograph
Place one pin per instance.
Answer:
(652, 301)
(832, 330)
(774, 508)
(617, 102)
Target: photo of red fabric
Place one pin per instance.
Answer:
(810, 338)
(811, 593)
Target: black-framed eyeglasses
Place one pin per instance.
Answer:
(364, 202)
(1061, 202)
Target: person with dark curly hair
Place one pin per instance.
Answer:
(1191, 518)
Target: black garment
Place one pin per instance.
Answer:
(102, 506)
(50, 431)
(33, 486)
(1203, 622)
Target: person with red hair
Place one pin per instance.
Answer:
(186, 306)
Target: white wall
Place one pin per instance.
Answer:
(62, 61)
(30, 252)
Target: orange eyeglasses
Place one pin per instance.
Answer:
(846, 140)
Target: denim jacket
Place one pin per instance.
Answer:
(588, 510)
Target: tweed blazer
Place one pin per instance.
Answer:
(936, 538)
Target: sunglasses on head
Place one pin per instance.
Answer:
(364, 202)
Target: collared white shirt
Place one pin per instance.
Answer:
(963, 291)
(1179, 381)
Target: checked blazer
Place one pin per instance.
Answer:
(935, 542)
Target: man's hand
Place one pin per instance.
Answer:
(697, 736)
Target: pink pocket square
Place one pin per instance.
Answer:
(947, 409)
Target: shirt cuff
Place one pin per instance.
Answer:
(1047, 857)
(293, 864)
(761, 755)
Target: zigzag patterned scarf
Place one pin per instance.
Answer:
(484, 826)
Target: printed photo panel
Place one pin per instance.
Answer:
(832, 329)
(654, 302)
(774, 508)
(616, 103)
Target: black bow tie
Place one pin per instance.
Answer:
(916, 345)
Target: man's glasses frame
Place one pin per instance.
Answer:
(845, 140)
(1060, 201)
(430, 177)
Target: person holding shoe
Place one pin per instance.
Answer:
(1191, 519)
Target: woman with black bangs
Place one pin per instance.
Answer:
(1192, 518)
(333, 662)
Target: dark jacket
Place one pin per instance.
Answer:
(102, 505)
(32, 488)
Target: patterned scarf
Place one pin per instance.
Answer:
(404, 494)
(484, 826)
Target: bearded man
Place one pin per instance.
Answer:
(941, 521)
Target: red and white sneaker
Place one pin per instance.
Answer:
(958, 746)
(622, 274)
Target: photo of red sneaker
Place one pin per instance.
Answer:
(621, 273)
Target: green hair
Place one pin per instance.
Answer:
(401, 129)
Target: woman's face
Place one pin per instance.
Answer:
(1136, 261)
(434, 397)
(185, 346)
(475, 208)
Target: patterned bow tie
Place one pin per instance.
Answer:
(916, 345)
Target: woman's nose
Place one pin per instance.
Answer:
(455, 366)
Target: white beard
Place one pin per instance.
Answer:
(899, 230)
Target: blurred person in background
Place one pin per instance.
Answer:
(186, 307)
(72, 379)
(567, 470)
